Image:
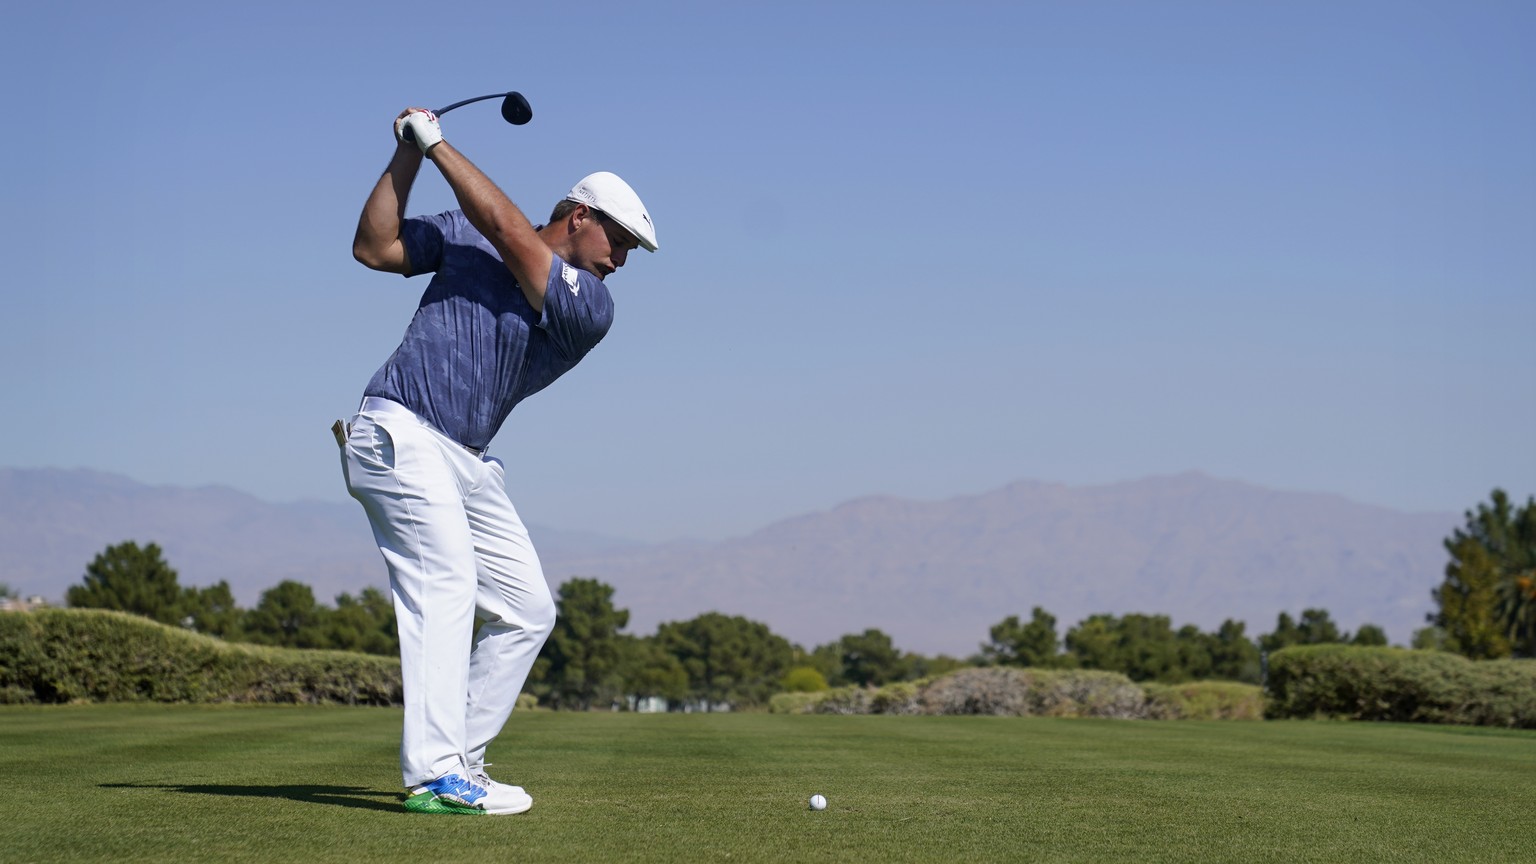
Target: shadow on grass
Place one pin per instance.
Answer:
(336, 796)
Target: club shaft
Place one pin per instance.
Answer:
(409, 136)
(442, 111)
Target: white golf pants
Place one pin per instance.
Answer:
(456, 551)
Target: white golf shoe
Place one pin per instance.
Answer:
(477, 795)
(501, 798)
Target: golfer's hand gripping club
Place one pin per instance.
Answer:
(420, 128)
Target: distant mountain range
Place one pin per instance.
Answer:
(935, 575)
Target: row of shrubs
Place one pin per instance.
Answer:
(1396, 684)
(89, 655)
(1012, 692)
(82, 655)
(1314, 681)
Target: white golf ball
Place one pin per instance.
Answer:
(818, 802)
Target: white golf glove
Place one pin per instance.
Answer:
(423, 127)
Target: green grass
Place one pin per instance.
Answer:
(267, 783)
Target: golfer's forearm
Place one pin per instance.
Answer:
(494, 215)
(377, 242)
(484, 204)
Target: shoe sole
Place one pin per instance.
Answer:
(426, 802)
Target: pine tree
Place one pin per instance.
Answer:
(129, 578)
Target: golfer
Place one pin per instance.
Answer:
(510, 308)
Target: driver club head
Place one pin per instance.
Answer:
(515, 109)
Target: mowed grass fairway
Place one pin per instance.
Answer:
(268, 783)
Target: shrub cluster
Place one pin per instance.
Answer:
(1402, 685)
(1027, 692)
(1204, 700)
(87, 655)
(1016, 692)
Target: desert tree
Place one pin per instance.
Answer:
(728, 659)
(287, 615)
(1487, 601)
(1013, 643)
(130, 578)
(585, 649)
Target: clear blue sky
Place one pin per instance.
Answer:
(921, 249)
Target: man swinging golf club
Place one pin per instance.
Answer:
(510, 308)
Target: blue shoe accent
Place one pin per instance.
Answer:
(457, 789)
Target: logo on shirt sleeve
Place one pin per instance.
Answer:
(568, 273)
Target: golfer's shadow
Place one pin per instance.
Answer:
(336, 796)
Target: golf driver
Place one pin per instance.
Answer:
(514, 110)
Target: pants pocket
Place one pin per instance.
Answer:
(371, 445)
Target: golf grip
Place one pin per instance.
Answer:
(411, 136)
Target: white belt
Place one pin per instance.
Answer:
(391, 408)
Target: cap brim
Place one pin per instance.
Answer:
(639, 238)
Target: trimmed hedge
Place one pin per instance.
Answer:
(1204, 700)
(1401, 685)
(793, 702)
(92, 655)
(1013, 692)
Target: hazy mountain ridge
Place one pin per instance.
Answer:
(937, 574)
(933, 574)
(53, 522)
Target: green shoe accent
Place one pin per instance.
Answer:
(426, 802)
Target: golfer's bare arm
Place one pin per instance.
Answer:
(494, 215)
(377, 244)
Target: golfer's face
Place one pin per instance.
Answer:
(609, 244)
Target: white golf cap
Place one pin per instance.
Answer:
(607, 192)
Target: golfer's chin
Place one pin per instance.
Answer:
(594, 269)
